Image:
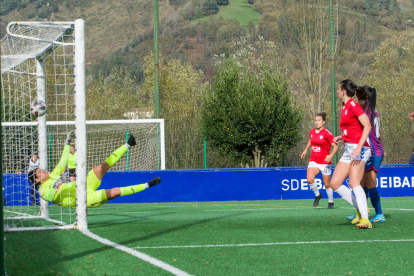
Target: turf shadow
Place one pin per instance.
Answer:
(126, 219)
(153, 235)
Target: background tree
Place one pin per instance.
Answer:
(392, 74)
(210, 7)
(251, 118)
(111, 97)
(181, 91)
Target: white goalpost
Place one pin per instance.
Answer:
(46, 61)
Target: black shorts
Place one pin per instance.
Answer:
(72, 172)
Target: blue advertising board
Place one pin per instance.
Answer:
(392, 181)
(221, 184)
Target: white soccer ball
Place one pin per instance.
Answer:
(38, 108)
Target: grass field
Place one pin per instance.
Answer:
(237, 9)
(222, 238)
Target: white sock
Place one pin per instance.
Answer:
(127, 145)
(362, 201)
(314, 188)
(146, 185)
(329, 192)
(347, 195)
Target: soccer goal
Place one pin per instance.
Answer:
(21, 212)
(46, 61)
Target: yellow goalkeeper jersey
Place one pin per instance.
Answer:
(53, 190)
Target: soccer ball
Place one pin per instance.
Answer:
(38, 108)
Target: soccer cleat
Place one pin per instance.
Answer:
(357, 218)
(155, 181)
(131, 140)
(330, 205)
(378, 218)
(351, 217)
(317, 198)
(364, 223)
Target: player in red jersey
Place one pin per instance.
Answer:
(355, 126)
(321, 141)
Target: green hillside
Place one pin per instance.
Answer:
(120, 34)
(240, 10)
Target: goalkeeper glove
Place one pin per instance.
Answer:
(68, 137)
(131, 140)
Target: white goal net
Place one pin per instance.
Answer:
(21, 200)
(46, 61)
(37, 62)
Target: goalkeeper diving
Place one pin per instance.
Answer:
(64, 194)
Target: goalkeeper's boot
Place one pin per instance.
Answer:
(330, 205)
(357, 217)
(155, 181)
(364, 223)
(378, 218)
(131, 140)
(317, 198)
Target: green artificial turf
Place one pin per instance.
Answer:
(235, 238)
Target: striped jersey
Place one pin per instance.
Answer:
(374, 135)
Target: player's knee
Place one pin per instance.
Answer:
(334, 184)
(310, 179)
(105, 166)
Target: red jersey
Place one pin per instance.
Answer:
(351, 128)
(321, 145)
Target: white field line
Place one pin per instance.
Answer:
(265, 244)
(137, 254)
(226, 210)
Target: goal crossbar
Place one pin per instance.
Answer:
(105, 122)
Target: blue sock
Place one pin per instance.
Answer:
(375, 200)
(366, 191)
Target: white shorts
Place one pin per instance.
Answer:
(325, 169)
(349, 148)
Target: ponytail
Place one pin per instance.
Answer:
(372, 102)
(362, 97)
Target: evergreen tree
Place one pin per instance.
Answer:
(210, 7)
(250, 118)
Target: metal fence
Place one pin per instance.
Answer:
(185, 143)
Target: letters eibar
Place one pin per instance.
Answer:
(382, 182)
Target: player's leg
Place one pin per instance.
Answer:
(356, 173)
(129, 190)
(368, 166)
(311, 173)
(100, 170)
(100, 197)
(374, 196)
(327, 182)
(341, 172)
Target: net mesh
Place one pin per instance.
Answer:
(22, 48)
(20, 197)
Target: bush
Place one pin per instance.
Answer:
(44, 12)
(250, 118)
(223, 2)
(31, 15)
(210, 7)
(8, 5)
